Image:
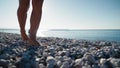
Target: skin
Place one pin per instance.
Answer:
(34, 20)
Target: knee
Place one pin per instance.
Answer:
(22, 9)
(37, 5)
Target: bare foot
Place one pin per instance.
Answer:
(33, 42)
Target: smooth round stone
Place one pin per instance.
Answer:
(68, 59)
(78, 63)
(100, 54)
(61, 53)
(103, 60)
(65, 65)
(59, 63)
(89, 57)
(66, 53)
(51, 60)
(41, 66)
(51, 49)
(45, 54)
(4, 63)
(115, 62)
(59, 58)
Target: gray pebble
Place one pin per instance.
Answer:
(65, 65)
(4, 63)
(115, 62)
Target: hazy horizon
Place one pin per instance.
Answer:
(57, 29)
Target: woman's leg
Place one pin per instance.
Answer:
(22, 15)
(35, 20)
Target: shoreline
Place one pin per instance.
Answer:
(58, 53)
(92, 35)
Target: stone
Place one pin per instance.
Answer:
(103, 60)
(115, 62)
(12, 66)
(61, 53)
(89, 57)
(65, 65)
(50, 66)
(100, 54)
(59, 63)
(68, 59)
(103, 66)
(59, 58)
(51, 62)
(4, 63)
(5, 56)
(95, 66)
(117, 53)
(86, 66)
(45, 54)
(41, 66)
(78, 63)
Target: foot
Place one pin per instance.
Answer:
(32, 40)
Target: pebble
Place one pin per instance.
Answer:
(103, 60)
(41, 66)
(51, 62)
(59, 63)
(4, 56)
(115, 62)
(89, 57)
(78, 63)
(4, 63)
(65, 65)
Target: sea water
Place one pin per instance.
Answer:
(90, 34)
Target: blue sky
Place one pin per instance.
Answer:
(67, 14)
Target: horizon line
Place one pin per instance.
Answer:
(67, 29)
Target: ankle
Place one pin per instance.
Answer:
(32, 35)
(23, 31)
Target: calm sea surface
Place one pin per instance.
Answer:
(109, 35)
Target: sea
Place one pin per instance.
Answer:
(82, 34)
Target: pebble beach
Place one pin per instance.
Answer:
(57, 53)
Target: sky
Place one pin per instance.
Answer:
(67, 14)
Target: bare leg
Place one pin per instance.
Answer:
(22, 15)
(35, 20)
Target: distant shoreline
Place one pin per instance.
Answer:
(57, 29)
